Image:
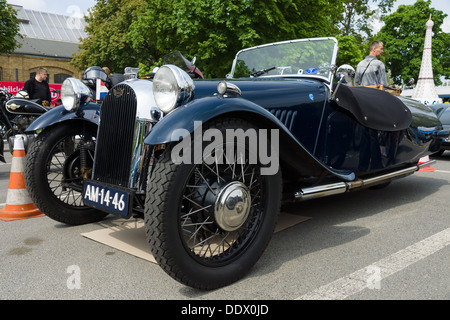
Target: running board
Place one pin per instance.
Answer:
(342, 187)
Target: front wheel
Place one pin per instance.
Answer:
(53, 174)
(208, 222)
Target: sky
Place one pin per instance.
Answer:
(65, 7)
(80, 7)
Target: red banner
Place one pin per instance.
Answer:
(14, 87)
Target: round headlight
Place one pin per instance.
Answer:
(172, 87)
(73, 93)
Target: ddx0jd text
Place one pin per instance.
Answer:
(252, 309)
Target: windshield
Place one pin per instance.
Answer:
(305, 57)
(177, 59)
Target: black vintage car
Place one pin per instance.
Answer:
(208, 163)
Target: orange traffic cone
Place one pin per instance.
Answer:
(428, 168)
(18, 202)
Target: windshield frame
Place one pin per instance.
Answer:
(328, 79)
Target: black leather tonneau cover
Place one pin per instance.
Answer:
(373, 108)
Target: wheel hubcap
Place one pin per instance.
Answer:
(232, 206)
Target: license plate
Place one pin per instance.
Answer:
(106, 198)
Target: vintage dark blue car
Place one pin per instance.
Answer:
(208, 163)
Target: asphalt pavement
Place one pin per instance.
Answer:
(383, 244)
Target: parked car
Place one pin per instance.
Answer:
(207, 163)
(443, 112)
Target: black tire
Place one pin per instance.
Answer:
(183, 230)
(52, 174)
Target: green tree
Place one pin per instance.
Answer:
(9, 28)
(403, 36)
(214, 30)
(107, 42)
(354, 22)
(140, 33)
(350, 51)
(357, 16)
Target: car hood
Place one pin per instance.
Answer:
(270, 92)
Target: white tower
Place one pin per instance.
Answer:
(425, 90)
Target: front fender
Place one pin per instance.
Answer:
(204, 110)
(291, 152)
(88, 112)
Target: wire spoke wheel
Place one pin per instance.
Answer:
(64, 174)
(221, 210)
(54, 175)
(209, 221)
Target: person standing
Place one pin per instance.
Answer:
(38, 87)
(372, 71)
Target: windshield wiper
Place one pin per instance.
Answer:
(261, 72)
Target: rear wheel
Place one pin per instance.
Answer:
(53, 174)
(208, 222)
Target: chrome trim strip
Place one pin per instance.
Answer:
(426, 164)
(385, 177)
(321, 191)
(342, 187)
(140, 150)
(145, 99)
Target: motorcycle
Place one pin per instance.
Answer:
(15, 116)
(61, 156)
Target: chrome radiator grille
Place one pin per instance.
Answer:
(115, 136)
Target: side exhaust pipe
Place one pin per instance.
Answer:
(342, 187)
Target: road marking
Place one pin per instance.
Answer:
(359, 280)
(443, 171)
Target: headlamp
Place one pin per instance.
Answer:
(172, 87)
(73, 93)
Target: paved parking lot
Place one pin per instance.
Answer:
(371, 244)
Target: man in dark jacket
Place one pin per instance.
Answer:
(38, 87)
